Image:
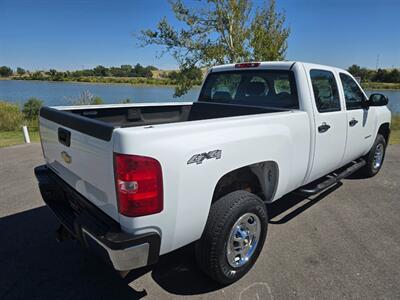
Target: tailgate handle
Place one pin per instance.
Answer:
(64, 136)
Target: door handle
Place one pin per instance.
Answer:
(353, 122)
(323, 127)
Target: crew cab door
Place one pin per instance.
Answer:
(330, 123)
(360, 121)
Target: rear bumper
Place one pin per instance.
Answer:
(93, 228)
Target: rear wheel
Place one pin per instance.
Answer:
(233, 237)
(375, 157)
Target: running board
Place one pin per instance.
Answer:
(312, 188)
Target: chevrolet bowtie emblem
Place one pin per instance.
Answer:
(66, 157)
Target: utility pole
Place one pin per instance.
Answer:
(377, 62)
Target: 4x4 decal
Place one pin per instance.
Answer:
(198, 158)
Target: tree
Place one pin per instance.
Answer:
(173, 75)
(222, 31)
(354, 70)
(188, 78)
(5, 71)
(380, 75)
(126, 70)
(20, 71)
(393, 76)
(37, 76)
(31, 108)
(101, 71)
(140, 71)
(116, 72)
(52, 72)
(363, 73)
(269, 35)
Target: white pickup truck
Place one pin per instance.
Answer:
(136, 181)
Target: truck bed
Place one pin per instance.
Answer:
(100, 122)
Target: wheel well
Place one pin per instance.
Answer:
(384, 130)
(260, 179)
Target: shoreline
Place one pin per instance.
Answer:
(382, 86)
(99, 80)
(99, 83)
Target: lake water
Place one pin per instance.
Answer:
(64, 93)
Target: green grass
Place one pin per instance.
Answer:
(380, 86)
(395, 130)
(395, 122)
(394, 137)
(10, 138)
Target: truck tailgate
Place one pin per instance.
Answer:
(80, 151)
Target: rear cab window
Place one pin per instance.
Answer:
(325, 91)
(265, 88)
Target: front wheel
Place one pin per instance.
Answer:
(233, 237)
(375, 157)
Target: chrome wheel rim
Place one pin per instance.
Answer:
(243, 240)
(378, 156)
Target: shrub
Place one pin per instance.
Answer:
(11, 117)
(31, 108)
(87, 98)
(97, 100)
(5, 71)
(20, 71)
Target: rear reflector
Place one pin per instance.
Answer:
(139, 185)
(247, 65)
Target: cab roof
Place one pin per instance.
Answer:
(280, 65)
(275, 65)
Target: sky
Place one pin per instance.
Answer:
(76, 34)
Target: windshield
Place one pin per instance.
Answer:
(267, 88)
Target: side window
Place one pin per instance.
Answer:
(282, 85)
(325, 90)
(225, 87)
(352, 93)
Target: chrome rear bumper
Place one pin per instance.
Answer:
(93, 228)
(123, 259)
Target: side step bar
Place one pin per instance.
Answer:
(312, 188)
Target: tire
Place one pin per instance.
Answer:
(373, 164)
(212, 249)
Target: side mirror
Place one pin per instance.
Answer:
(378, 100)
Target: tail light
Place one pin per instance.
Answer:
(139, 185)
(247, 65)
